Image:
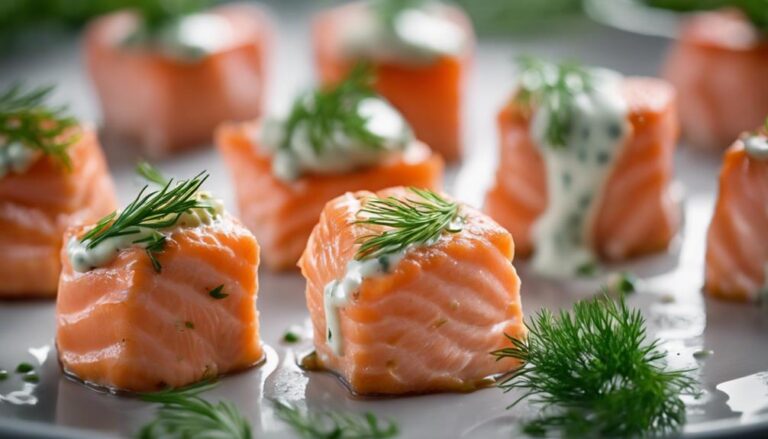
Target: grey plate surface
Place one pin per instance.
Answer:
(735, 376)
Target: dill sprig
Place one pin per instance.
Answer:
(185, 415)
(155, 210)
(324, 112)
(554, 87)
(334, 425)
(148, 172)
(595, 374)
(25, 118)
(407, 221)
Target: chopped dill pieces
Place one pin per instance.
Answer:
(406, 222)
(25, 118)
(31, 378)
(189, 325)
(619, 285)
(291, 336)
(594, 373)
(554, 87)
(702, 354)
(3, 374)
(336, 425)
(217, 292)
(184, 414)
(587, 270)
(24, 368)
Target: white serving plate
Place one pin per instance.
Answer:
(735, 377)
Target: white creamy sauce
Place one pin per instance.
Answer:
(757, 147)
(415, 35)
(17, 158)
(84, 259)
(576, 174)
(188, 38)
(339, 154)
(337, 293)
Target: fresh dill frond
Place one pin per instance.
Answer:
(554, 87)
(334, 425)
(183, 414)
(153, 244)
(595, 374)
(148, 172)
(155, 210)
(26, 118)
(327, 111)
(408, 221)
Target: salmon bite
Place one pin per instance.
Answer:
(409, 292)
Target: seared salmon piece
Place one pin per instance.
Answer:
(166, 103)
(39, 204)
(635, 213)
(282, 213)
(737, 240)
(429, 95)
(719, 66)
(124, 326)
(428, 322)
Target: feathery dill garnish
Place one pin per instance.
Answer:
(334, 425)
(155, 210)
(595, 374)
(324, 112)
(217, 293)
(407, 221)
(184, 414)
(25, 118)
(554, 87)
(755, 10)
(150, 173)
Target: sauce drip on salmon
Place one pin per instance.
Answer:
(576, 170)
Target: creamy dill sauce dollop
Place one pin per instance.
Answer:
(84, 259)
(340, 153)
(188, 37)
(414, 34)
(17, 158)
(576, 173)
(337, 293)
(757, 147)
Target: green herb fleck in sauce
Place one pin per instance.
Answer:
(24, 368)
(291, 337)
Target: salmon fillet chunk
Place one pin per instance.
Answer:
(635, 213)
(124, 326)
(38, 205)
(719, 66)
(428, 322)
(282, 214)
(737, 240)
(167, 103)
(429, 95)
